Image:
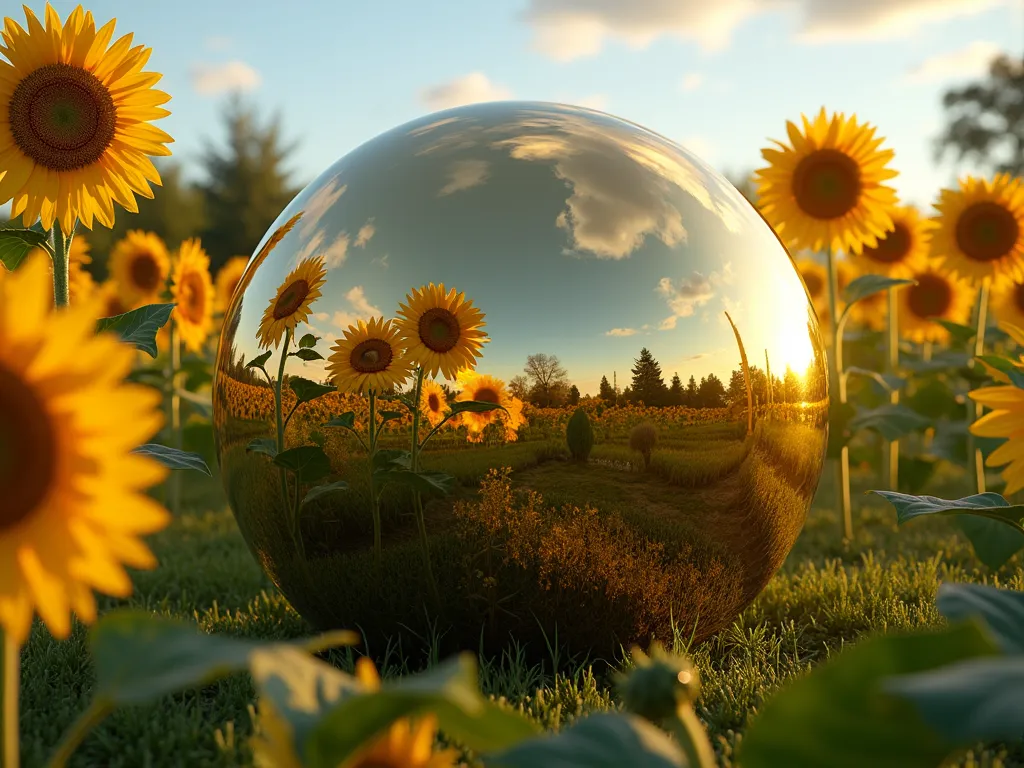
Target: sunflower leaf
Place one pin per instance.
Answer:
(346, 421)
(138, 327)
(318, 437)
(308, 462)
(319, 491)
(961, 334)
(869, 285)
(259, 362)
(391, 458)
(433, 483)
(888, 381)
(891, 421)
(993, 544)
(202, 402)
(475, 406)
(265, 445)
(308, 341)
(988, 505)
(306, 390)
(16, 244)
(1001, 609)
(386, 416)
(1010, 371)
(307, 354)
(173, 458)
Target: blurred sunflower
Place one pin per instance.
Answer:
(442, 330)
(405, 744)
(192, 292)
(899, 251)
(77, 135)
(936, 296)
(487, 389)
(109, 303)
(827, 189)
(264, 252)
(291, 304)
(1006, 420)
(815, 277)
(871, 312)
(370, 356)
(74, 502)
(227, 280)
(140, 265)
(1007, 302)
(80, 282)
(433, 402)
(980, 230)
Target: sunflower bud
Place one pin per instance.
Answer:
(660, 685)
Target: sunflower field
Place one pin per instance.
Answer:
(138, 629)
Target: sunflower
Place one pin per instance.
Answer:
(480, 387)
(74, 502)
(827, 189)
(109, 303)
(980, 230)
(227, 280)
(140, 265)
(76, 134)
(901, 250)
(192, 292)
(872, 311)
(291, 304)
(1007, 302)
(936, 296)
(433, 402)
(371, 356)
(815, 277)
(405, 744)
(442, 330)
(1006, 419)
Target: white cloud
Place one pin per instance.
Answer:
(362, 309)
(364, 234)
(334, 252)
(691, 81)
(598, 101)
(213, 79)
(465, 174)
(700, 146)
(468, 89)
(570, 29)
(684, 297)
(970, 61)
(621, 332)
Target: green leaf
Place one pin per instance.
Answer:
(1005, 366)
(960, 334)
(604, 740)
(320, 491)
(993, 542)
(391, 458)
(307, 355)
(140, 326)
(317, 437)
(267, 445)
(308, 341)
(259, 362)
(308, 462)
(869, 285)
(988, 505)
(306, 390)
(1001, 610)
(16, 244)
(891, 421)
(976, 700)
(437, 483)
(915, 472)
(889, 382)
(202, 402)
(386, 416)
(474, 406)
(139, 657)
(173, 458)
(346, 421)
(840, 716)
(839, 417)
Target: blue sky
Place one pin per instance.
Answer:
(719, 77)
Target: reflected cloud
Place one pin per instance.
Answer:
(689, 293)
(465, 174)
(334, 253)
(622, 332)
(429, 127)
(362, 309)
(367, 231)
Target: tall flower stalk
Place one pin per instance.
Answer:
(842, 465)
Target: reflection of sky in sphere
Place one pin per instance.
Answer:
(577, 234)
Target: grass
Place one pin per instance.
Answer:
(826, 596)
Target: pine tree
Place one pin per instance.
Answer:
(792, 387)
(648, 385)
(675, 391)
(606, 392)
(737, 391)
(711, 392)
(690, 395)
(574, 395)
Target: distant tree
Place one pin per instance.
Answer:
(736, 393)
(792, 387)
(548, 379)
(711, 392)
(690, 396)
(606, 392)
(573, 396)
(675, 391)
(626, 396)
(648, 385)
(519, 386)
(985, 119)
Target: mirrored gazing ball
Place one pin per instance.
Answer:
(516, 369)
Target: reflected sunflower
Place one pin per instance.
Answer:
(192, 292)
(1007, 303)
(227, 280)
(828, 190)
(264, 252)
(901, 250)
(77, 111)
(370, 356)
(936, 296)
(487, 389)
(1005, 420)
(74, 502)
(980, 230)
(433, 402)
(291, 304)
(140, 265)
(442, 330)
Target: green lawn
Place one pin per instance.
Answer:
(826, 596)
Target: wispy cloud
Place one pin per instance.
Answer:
(361, 309)
(963, 63)
(622, 332)
(468, 89)
(684, 296)
(214, 79)
(364, 234)
(691, 81)
(465, 174)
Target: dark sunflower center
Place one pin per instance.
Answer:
(62, 117)
(28, 447)
(826, 184)
(1018, 296)
(814, 284)
(986, 231)
(192, 297)
(291, 299)
(893, 248)
(439, 330)
(371, 356)
(145, 273)
(487, 395)
(931, 297)
(115, 307)
(433, 402)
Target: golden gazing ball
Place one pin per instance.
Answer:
(515, 370)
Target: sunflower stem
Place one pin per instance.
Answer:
(421, 523)
(974, 410)
(892, 363)
(174, 408)
(293, 516)
(10, 670)
(374, 503)
(61, 264)
(843, 464)
(76, 734)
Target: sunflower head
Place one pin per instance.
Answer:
(109, 300)
(77, 114)
(902, 249)
(488, 389)
(290, 306)
(140, 265)
(979, 233)
(1007, 302)
(815, 277)
(433, 402)
(369, 357)
(442, 330)
(936, 296)
(192, 293)
(227, 280)
(827, 189)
